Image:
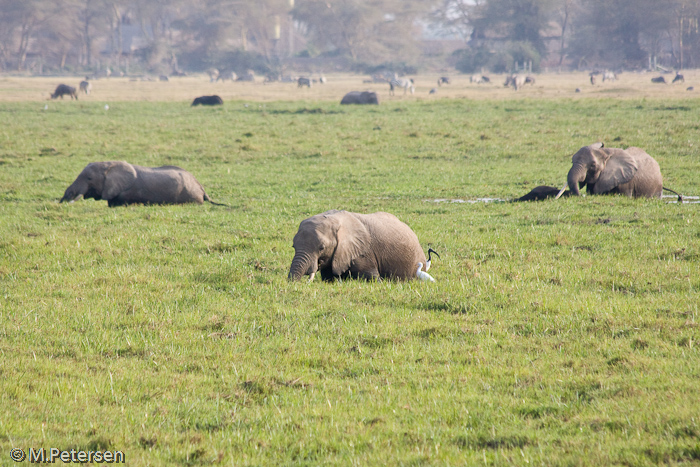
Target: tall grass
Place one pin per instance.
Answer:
(560, 332)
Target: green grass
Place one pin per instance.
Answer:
(562, 332)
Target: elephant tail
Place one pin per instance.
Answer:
(680, 197)
(207, 198)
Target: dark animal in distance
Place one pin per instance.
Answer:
(530, 80)
(63, 90)
(541, 192)
(357, 97)
(679, 78)
(443, 80)
(207, 100)
(301, 82)
(121, 183)
(659, 79)
(86, 87)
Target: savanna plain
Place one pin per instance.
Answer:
(562, 332)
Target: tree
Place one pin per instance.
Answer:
(611, 32)
(364, 30)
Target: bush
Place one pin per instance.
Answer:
(400, 67)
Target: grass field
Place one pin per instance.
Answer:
(558, 333)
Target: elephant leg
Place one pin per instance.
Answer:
(369, 275)
(116, 202)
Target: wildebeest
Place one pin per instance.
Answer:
(163, 78)
(530, 80)
(249, 75)
(360, 97)
(592, 78)
(64, 89)
(301, 82)
(443, 80)
(227, 75)
(433, 91)
(659, 79)
(679, 78)
(516, 81)
(207, 100)
(85, 86)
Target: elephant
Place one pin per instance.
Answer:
(207, 100)
(121, 183)
(542, 192)
(357, 97)
(342, 244)
(631, 172)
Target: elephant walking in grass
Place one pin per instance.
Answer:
(341, 244)
(631, 172)
(121, 183)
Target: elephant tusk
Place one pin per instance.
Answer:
(311, 276)
(424, 276)
(561, 191)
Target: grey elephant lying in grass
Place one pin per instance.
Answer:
(121, 183)
(341, 244)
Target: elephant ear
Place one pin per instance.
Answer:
(353, 241)
(119, 177)
(620, 169)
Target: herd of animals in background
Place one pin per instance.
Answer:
(341, 244)
(515, 80)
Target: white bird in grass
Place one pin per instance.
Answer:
(427, 263)
(424, 276)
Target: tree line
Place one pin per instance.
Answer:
(162, 36)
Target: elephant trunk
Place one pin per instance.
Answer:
(76, 189)
(577, 175)
(302, 264)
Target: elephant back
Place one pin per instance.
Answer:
(395, 246)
